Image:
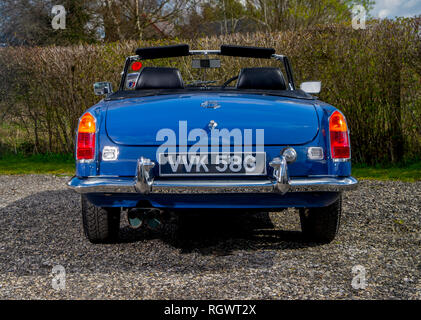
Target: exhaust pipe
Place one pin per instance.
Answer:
(140, 217)
(135, 218)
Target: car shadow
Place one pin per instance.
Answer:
(218, 233)
(45, 229)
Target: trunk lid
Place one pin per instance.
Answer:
(285, 121)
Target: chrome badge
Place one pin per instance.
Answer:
(212, 124)
(210, 105)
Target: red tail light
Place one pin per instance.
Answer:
(85, 149)
(339, 139)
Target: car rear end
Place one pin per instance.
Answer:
(304, 154)
(165, 147)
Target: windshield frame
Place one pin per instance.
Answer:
(281, 58)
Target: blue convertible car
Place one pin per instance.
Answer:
(251, 142)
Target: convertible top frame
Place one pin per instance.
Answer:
(226, 50)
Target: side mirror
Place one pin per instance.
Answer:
(102, 88)
(311, 87)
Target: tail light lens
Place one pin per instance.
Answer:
(85, 149)
(339, 138)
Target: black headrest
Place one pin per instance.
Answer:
(159, 78)
(261, 78)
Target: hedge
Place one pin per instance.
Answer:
(372, 75)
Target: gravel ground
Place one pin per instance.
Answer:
(248, 256)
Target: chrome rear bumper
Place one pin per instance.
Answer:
(128, 185)
(145, 183)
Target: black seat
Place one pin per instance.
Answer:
(159, 78)
(261, 78)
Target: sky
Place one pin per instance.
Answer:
(393, 8)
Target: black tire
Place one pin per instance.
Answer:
(101, 225)
(321, 224)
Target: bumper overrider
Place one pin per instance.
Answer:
(145, 183)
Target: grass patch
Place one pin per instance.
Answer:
(38, 164)
(408, 173)
(65, 164)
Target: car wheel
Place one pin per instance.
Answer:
(321, 224)
(101, 225)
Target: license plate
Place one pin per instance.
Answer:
(212, 164)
